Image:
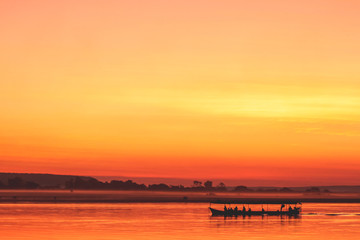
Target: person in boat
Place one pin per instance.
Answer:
(244, 209)
(263, 210)
(249, 210)
(290, 209)
(236, 209)
(282, 206)
(225, 209)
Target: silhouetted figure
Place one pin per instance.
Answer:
(244, 209)
(236, 209)
(282, 206)
(225, 209)
(290, 209)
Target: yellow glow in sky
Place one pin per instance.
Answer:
(161, 88)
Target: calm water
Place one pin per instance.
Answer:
(171, 221)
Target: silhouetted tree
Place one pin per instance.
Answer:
(159, 187)
(313, 190)
(177, 188)
(84, 183)
(197, 184)
(242, 189)
(285, 189)
(208, 184)
(127, 185)
(221, 187)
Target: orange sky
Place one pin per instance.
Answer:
(209, 89)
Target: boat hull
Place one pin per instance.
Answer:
(216, 212)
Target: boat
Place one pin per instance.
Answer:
(287, 208)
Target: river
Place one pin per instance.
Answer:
(171, 221)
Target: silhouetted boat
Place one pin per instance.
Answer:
(228, 211)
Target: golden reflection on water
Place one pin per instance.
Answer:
(171, 221)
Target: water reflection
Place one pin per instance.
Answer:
(263, 217)
(172, 221)
(253, 222)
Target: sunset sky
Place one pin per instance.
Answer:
(251, 90)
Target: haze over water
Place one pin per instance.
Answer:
(171, 221)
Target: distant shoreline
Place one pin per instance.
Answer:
(36, 181)
(98, 196)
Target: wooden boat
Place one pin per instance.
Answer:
(216, 212)
(288, 211)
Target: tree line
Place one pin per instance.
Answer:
(79, 183)
(94, 184)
